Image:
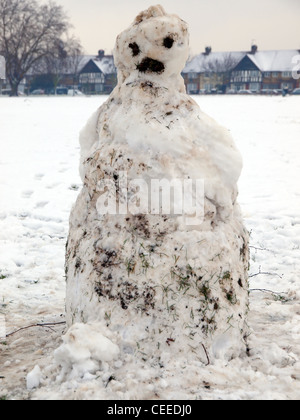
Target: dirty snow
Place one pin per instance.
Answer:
(39, 182)
(148, 277)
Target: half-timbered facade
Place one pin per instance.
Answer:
(210, 71)
(98, 76)
(265, 70)
(254, 71)
(247, 75)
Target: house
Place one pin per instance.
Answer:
(91, 74)
(99, 75)
(210, 71)
(49, 74)
(253, 70)
(2, 72)
(265, 70)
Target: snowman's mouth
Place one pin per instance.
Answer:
(148, 65)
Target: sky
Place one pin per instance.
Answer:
(225, 25)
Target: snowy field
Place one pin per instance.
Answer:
(39, 182)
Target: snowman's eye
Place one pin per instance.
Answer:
(168, 42)
(135, 49)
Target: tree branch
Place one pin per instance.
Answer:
(50, 324)
(28, 32)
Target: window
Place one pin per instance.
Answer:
(247, 76)
(91, 78)
(287, 74)
(254, 87)
(240, 87)
(267, 74)
(99, 88)
(192, 87)
(193, 76)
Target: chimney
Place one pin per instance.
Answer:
(208, 50)
(101, 54)
(254, 49)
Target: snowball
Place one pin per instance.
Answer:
(34, 378)
(85, 348)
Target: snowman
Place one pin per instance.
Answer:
(157, 250)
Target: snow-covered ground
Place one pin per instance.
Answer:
(39, 182)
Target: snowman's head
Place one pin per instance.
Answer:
(156, 44)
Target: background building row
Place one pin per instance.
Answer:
(209, 72)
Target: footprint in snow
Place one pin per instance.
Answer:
(62, 171)
(27, 194)
(39, 177)
(41, 204)
(50, 187)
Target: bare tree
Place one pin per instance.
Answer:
(29, 32)
(63, 62)
(75, 58)
(222, 67)
(2, 72)
(2, 67)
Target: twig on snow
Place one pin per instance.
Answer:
(208, 360)
(50, 324)
(259, 249)
(265, 274)
(268, 291)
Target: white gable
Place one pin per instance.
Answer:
(275, 61)
(106, 64)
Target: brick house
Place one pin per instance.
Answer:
(265, 70)
(255, 70)
(210, 71)
(63, 73)
(91, 74)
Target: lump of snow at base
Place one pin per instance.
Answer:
(277, 356)
(84, 350)
(226, 345)
(34, 378)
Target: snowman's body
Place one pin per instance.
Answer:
(160, 283)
